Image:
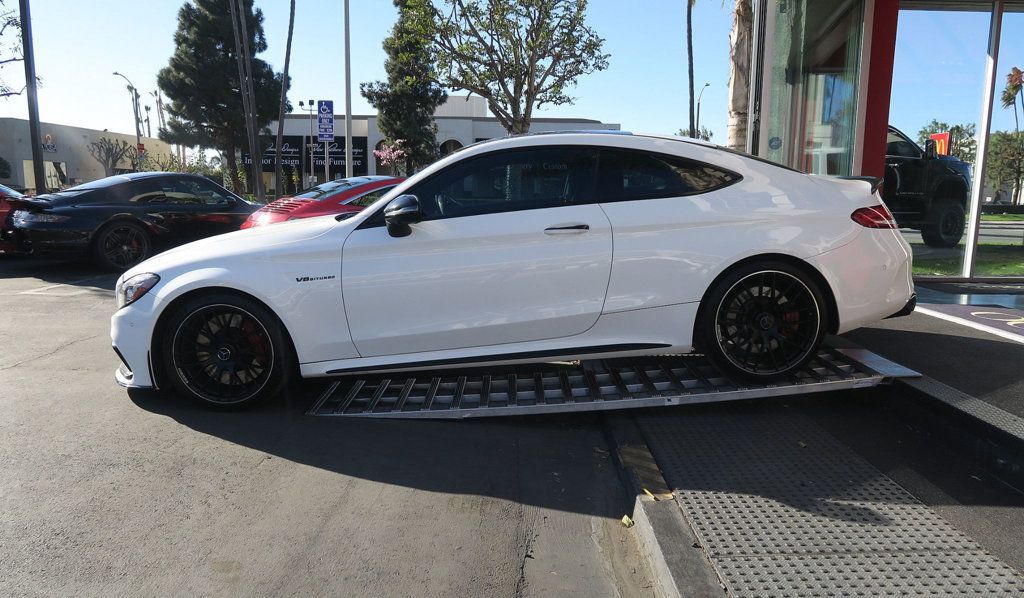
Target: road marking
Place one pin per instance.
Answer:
(965, 322)
(48, 290)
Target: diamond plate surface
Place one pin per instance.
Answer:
(782, 508)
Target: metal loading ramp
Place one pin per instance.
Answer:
(596, 385)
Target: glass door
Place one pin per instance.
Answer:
(814, 50)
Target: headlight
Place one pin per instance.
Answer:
(25, 217)
(133, 288)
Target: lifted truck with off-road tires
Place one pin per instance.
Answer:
(926, 191)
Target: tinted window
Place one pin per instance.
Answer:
(507, 181)
(898, 146)
(625, 175)
(144, 191)
(370, 197)
(188, 191)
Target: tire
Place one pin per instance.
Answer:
(762, 321)
(945, 225)
(225, 351)
(121, 245)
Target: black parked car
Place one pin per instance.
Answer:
(124, 219)
(926, 191)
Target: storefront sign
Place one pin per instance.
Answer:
(293, 146)
(941, 143)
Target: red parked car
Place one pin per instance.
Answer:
(332, 197)
(5, 211)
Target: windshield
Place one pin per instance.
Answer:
(7, 191)
(325, 190)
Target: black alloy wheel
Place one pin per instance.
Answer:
(121, 245)
(763, 321)
(226, 351)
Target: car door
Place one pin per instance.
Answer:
(905, 175)
(511, 250)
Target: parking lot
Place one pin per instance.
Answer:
(108, 492)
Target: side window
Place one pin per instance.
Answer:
(193, 192)
(507, 181)
(629, 175)
(143, 191)
(898, 146)
(372, 196)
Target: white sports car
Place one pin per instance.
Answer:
(531, 248)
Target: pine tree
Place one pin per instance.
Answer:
(406, 102)
(201, 81)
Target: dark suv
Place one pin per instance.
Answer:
(926, 191)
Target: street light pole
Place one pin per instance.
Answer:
(312, 146)
(33, 104)
(348, 100)
(135, 110)
(699, 96)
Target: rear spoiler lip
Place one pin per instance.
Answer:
(27, 203)
(874, 181)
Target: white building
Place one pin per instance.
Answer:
(460, 121)
(66, 157)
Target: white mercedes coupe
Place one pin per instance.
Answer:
(543, 247)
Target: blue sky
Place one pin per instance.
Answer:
(79, 44)
(938, 71)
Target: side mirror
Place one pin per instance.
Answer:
(400, 213)
(929, 150)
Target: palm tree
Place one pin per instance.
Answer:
(740, 39)
(689, 59)
(280, 110)
(1014, 85)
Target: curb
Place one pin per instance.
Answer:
(991, 435)
(667, 543)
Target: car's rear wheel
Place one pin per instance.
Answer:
(945, 226)
(226, 351)
(762, 321)
(121, 245)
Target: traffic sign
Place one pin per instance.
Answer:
(325, 120)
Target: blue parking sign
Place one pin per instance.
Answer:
(325, 120)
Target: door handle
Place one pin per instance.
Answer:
(567, 229)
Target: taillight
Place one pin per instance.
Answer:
(874, 217)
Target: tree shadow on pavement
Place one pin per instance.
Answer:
(73, 272)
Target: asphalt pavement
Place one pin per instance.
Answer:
(109, 493)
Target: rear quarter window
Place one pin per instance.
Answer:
(625, 175)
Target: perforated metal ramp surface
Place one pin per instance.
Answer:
(586, 386)
(781, 508)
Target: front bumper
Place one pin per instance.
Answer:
(131, 332)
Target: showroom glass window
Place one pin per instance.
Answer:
(508, 181)
(813, 81)
(625, 175)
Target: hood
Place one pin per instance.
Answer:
(220, 250)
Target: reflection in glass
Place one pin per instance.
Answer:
(937, 93)
(1001, 230)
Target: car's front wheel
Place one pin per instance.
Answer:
(762, 321)
(225, 351)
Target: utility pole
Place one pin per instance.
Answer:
(149, 130)
(348, 100)
(33, 101)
